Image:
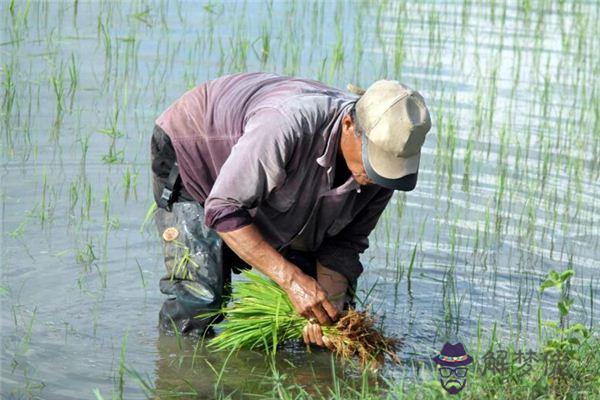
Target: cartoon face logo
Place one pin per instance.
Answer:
(452, 367)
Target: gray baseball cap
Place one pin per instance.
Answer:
(394, 121)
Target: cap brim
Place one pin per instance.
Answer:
(389, 171)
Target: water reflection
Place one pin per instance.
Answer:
(185, 367)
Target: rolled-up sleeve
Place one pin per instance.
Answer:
(255, 167)
(341, 253)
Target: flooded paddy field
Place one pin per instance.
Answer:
(508, 187)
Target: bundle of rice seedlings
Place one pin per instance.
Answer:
(261, 316)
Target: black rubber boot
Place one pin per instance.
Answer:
(196, 281)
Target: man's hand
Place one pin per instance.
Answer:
(334, 284)
(312, 333)
(310, 300)
(306, 294)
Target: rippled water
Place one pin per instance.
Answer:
(508, 186)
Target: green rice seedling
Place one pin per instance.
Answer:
(317, 22)
(499, 199)
(84, 142)
(410, 269)
(382, 42)
(48, 200)
(144, 285)
(222, 58)
(321, 72)
(492, 93)
(86, 256)
(9, 105)
(399, 50)
(219, 374)
(104, 36)
(296, 53)
(266, 46)
(240, 45)
(197, 345)
(178, 339)
(189, 75)
(450, 147)
(465, 14)
(73, 195)
(399, 268)
(467, 164)
(434, 55)
(97, 394)
(146, 383)
(25, 337)
(440, 152)
(387, 224)
(121, 372)
(10, 92)
(143, 16)
(75, 10)
(106, 204)
(19, 21)
(87, 203)
(19, 230)
(149, 215)
(127, 183)
(113, 156)
(57, 81)
(261, 316)
(338, 47)
(358, 45)
(73, 80)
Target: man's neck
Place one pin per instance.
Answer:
(342, 173)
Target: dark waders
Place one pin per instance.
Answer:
(197, 261)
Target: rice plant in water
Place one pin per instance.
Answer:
(261, 316)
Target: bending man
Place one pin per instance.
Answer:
(285, 175)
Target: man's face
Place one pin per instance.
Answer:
(361, 177)
(453, 379)
(351, 149)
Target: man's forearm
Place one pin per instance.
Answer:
(334, 283)
(307, 296)
(249, 244)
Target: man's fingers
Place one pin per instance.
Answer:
(332, 311)
(311, 333)
(327, 342)
(321, 315)
(306, 312)
(318, 335)
(310, 316)
(305, 334)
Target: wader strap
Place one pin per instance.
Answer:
(168, 193)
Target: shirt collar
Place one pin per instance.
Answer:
(327, 159)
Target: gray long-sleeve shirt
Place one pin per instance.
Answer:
(261, 148)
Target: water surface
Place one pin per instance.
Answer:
(508, 185)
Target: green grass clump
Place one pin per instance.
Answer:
(261, 316)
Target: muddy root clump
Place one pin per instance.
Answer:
(355, 335)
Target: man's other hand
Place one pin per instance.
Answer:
(310, 299)
(312, 333)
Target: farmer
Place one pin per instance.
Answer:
(285, 175)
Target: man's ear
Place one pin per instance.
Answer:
(347, 124)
